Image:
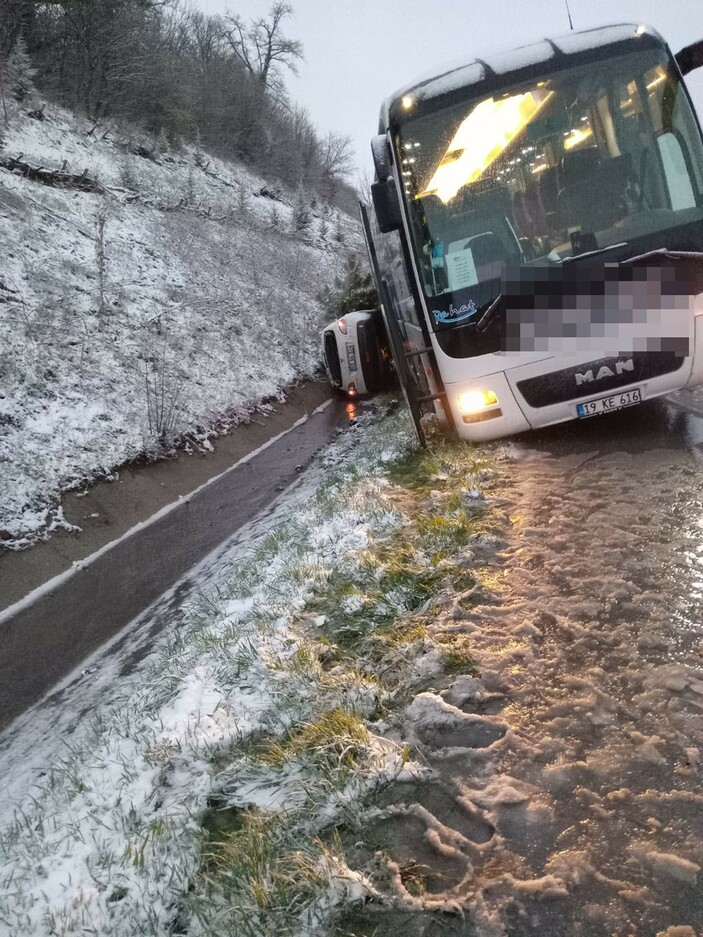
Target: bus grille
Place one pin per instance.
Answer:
(560, 386)
(332, 358)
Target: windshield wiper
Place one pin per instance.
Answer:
(490, 314)
(600, 250)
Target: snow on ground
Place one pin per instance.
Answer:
(177, 298)
(104, 787)
(535, 771)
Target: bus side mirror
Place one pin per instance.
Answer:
(386, 205)
(381, 153)
(690, 57)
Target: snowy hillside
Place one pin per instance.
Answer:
(180, 292)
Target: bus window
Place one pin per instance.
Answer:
(605, 119)
(684, 125)
(654, 80)
(586, 158)
(678, 181)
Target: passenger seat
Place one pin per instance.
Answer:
(593, 197)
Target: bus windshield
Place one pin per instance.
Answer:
(591, 156)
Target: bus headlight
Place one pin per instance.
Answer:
(473, 401)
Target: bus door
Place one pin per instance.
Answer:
(413, 360)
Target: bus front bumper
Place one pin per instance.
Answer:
(479, 420)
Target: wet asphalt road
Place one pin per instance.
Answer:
(657, 424)
(42, 642)
(109, 508)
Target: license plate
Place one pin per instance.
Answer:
(351, 357)
(606, 404)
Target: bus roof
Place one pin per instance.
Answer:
(502, 65)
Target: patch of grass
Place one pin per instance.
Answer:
(373, 609)
(407, 579)
(267, 872)
(444, 534)
(456, 655)
(304, 660)
(414, 877)
(451, 576)
(348, 629)
(221, 820)
(337, 737)
(416, 470)
(377, 603)
(448, 459)
(405, 631)
(337, 590)
(452, 502)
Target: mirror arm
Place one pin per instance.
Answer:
(690, 57)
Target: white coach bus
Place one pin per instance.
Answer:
(536, 233)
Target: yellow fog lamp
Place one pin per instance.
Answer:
(474, 401)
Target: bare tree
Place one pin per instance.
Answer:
(207, 36)
(101, 260)
(362, 184)
(261, 46)
(5, 86)
(337, 162)
(180, 75)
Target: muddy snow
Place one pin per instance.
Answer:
(567, 773)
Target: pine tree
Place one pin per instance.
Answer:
(301, 212)
(324, 224)
(353, 289)
(275, 218)
(161, 142)
(338, 233)
(359, 287)
(5, 87)
(242, 201)
(21, 73)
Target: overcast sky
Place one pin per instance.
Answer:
(359, 51)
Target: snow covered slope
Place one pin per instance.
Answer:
(178, 295)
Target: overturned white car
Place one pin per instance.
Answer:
(356, 353)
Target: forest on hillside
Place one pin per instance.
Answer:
(180, 75)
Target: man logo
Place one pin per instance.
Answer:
(588, 377)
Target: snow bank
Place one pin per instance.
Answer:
(176, 298)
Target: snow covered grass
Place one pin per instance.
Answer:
(198, 798)
(170, 305)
